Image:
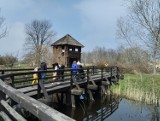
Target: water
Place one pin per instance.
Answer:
(111, 108)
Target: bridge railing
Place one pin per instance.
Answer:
(24, 78)
(38, 109)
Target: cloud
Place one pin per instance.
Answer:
(98, 18)
(92, 22)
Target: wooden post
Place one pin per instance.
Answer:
(111, 75)
(93, 70)
(68, 97)
(12, 84)
(12, 79)
(71, 80)
(2, 71)
(38, 85)
(43, 89)
(102, 74)
(87, 76)
(2, 97)
(73, 101)
(117, 73)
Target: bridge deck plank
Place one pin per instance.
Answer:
(55, 86)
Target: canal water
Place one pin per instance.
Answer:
(110, 108)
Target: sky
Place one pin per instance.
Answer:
(92, 22)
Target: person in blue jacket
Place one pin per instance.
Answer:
(75, 69)
(43, 67)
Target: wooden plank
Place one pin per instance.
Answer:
(30, 91)
(92, 87)
(40, 110)
(12, 112)
(4, 116)
(91, 79)
(75, 82)
(47, 86)
(77, 91)
(106, 83)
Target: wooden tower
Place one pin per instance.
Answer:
(66, 50)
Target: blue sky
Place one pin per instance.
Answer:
(91, 22)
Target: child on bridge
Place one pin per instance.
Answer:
(35, 76)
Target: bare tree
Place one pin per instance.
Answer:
(142, 26)
(8, 60)
(39, 34)
(3, 28)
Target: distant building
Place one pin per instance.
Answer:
(66, 50)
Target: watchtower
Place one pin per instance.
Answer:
(66, 50)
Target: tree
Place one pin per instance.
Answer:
(39, 34)
(142, 26)
(8, 60)
(3, 28)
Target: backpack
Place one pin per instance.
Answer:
(43, 66)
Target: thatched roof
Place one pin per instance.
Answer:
(67, 40)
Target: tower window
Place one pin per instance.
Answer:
(76, 49)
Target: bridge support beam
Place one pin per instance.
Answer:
(73, 101)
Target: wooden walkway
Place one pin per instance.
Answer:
(16, 88)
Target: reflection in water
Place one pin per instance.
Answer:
(100, 109)
(133, 111)
(111, 108)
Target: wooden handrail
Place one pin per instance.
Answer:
(15, 80)
(38, 109)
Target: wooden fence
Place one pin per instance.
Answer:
(17, 86)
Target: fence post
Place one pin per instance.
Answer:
(102, 73)
(111, 75)
(38, 85)
(117, 73)
(2, 97)
(93, 70)
(87, 76)
(12, 79)
(2, 71)
(71, 79)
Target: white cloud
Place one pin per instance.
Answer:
(92, 22)
(99, 20)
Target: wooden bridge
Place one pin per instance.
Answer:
(19, 97)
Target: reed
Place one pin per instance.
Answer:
(139, 87)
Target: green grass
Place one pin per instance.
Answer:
(140, 87)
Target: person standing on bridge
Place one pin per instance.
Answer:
(75, 69)
(35, 76)
(43, 67)
(55, 74)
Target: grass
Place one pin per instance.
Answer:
(140, 87)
